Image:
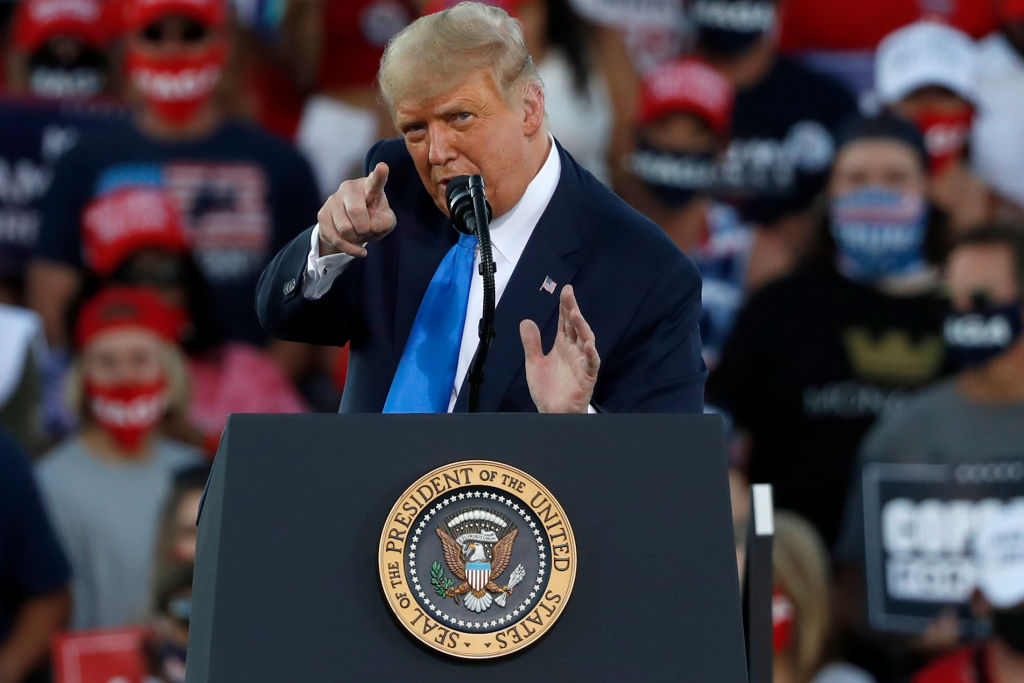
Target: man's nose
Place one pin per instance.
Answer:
(442, 147)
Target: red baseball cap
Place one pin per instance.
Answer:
(121, 222)
(687, 86)
(39, 20)
(128, 307)
(141, 13)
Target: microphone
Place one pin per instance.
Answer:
(459, 195)
(471, 214)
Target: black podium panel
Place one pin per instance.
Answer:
(287, 585)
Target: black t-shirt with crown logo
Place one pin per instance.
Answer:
(813, 360)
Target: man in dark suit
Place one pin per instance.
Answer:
(465, 95)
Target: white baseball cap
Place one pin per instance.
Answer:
(925, 53)
(999, 550)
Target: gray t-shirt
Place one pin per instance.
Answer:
(106, 515)
(938, 426)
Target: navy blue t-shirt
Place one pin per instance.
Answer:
(34, 134)
(783, 141)
(242, 193)
(31, 560)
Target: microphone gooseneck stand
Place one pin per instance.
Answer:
(485, 330)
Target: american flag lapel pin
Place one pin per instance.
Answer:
(549, 285)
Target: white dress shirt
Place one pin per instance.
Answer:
(509, 235)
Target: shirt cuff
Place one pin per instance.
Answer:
(321, 271)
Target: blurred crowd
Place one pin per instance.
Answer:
(847, 176)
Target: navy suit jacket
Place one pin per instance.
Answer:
(638, 292)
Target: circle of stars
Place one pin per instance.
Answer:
(424, 595)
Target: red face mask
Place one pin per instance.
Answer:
(945, 136)
(783, 621)
(176, 86)
(127, 411)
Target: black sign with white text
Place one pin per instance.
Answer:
(919, 521)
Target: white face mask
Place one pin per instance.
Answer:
(54, 77)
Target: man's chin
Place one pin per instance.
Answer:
(441, 203)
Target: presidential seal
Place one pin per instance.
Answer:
(477, 559)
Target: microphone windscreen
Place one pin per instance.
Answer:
(460, 203)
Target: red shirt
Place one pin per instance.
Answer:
(842, 25)
(968, 665)
(237, 378)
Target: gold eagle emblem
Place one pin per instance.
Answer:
(477, 555)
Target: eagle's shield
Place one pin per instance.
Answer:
(478, 574)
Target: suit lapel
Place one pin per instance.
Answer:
(546, 255)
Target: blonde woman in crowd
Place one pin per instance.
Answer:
(801, 611)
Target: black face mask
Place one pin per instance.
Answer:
(1009, 628)
(674, 178)
(975, 337)
(56, 76)
(729, 28)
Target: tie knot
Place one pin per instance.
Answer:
(467, 241)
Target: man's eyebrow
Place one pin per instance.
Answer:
(407, 123)
(455, 107)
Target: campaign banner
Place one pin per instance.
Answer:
(919, 525)
(100, 656)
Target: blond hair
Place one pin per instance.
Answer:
(173, 361)
(436, 51)
(800, 563)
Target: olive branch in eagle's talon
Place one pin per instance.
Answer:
(443, 585)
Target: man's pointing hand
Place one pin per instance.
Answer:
(358, 213)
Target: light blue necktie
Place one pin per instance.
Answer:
(425, 376)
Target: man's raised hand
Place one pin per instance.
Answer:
(358, 213)
(563, 380)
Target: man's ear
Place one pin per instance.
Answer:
(533, 109)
